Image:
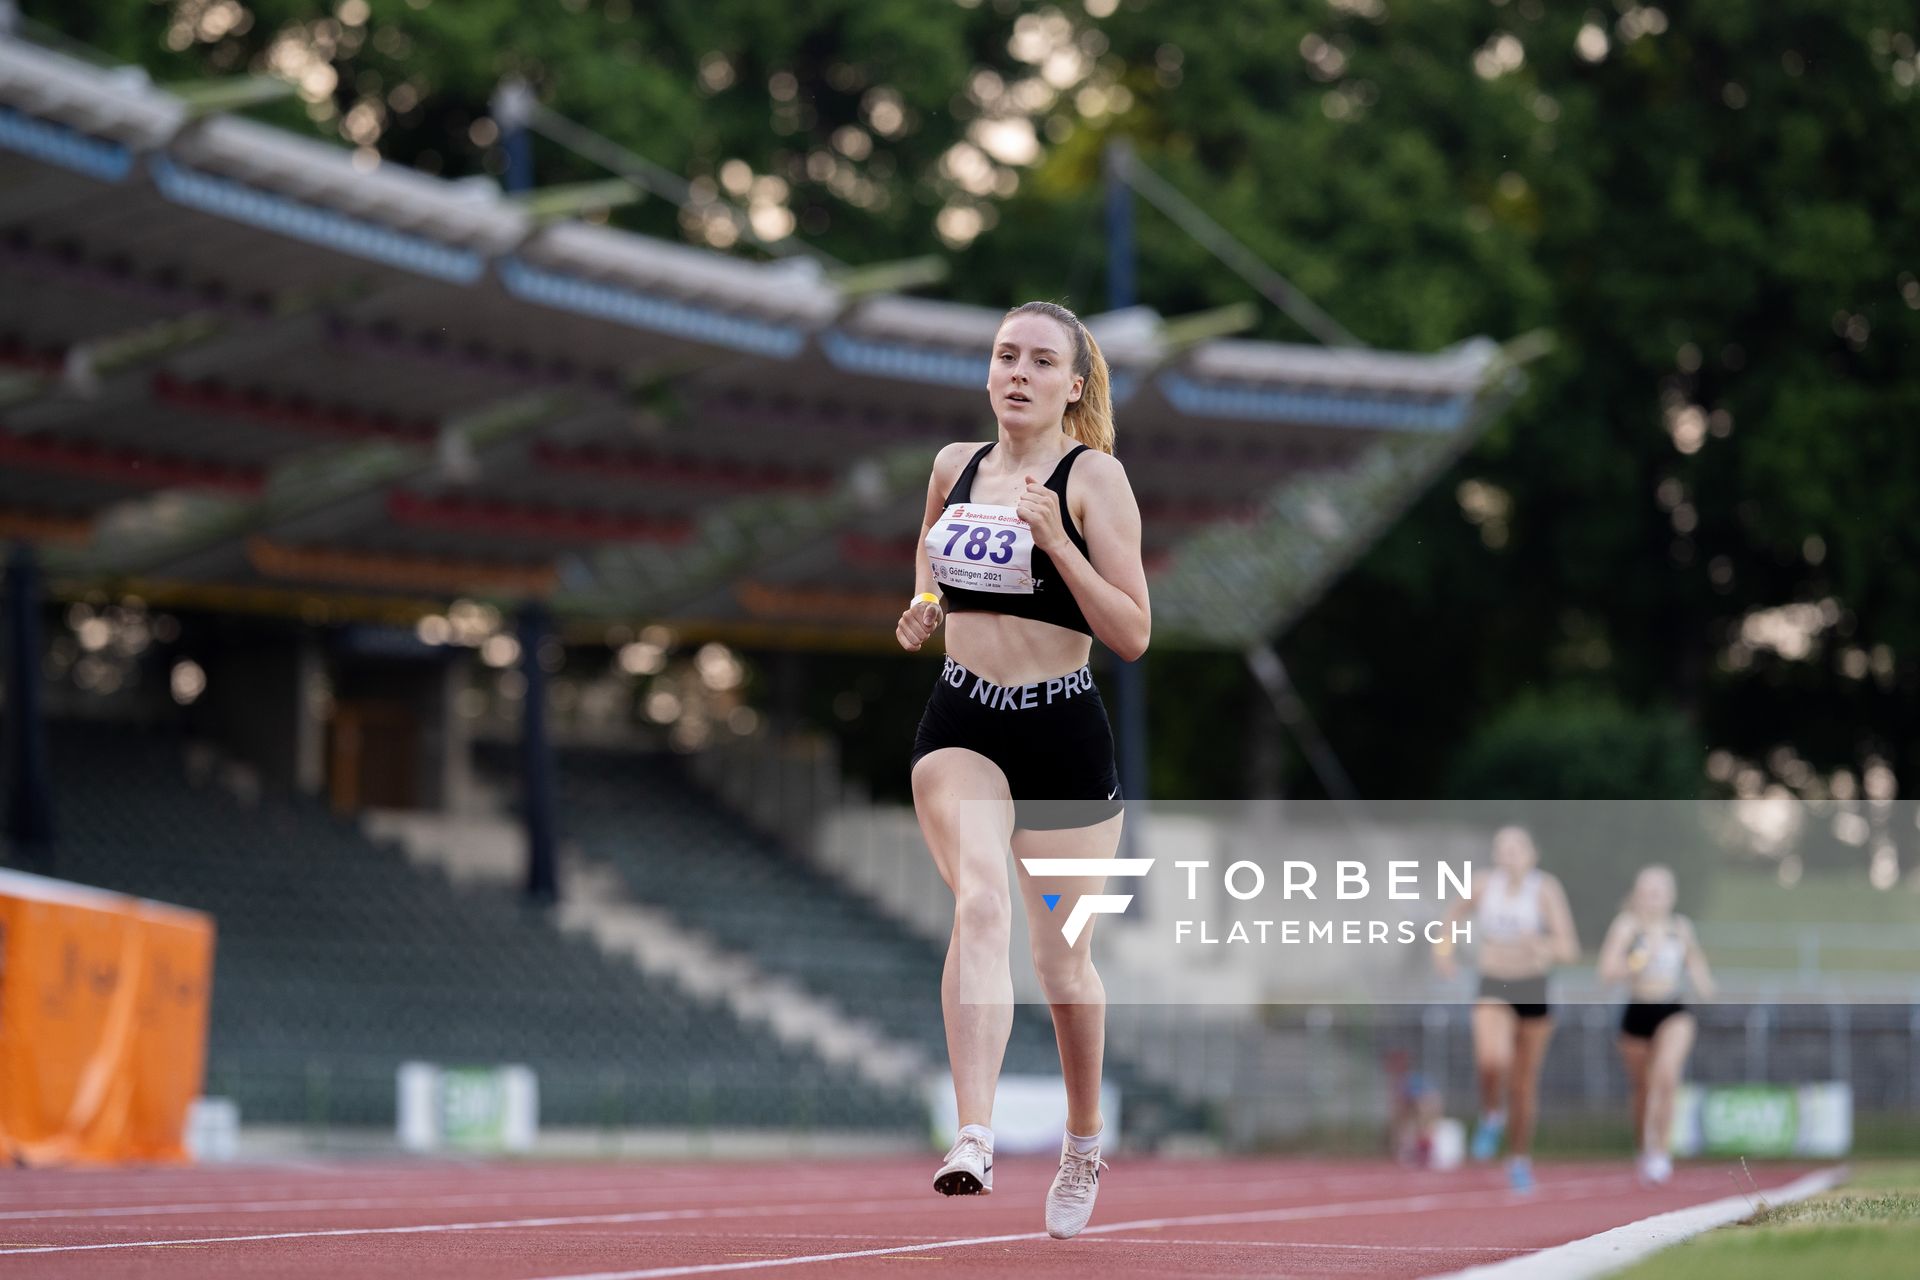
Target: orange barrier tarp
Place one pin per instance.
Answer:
(103, 1022)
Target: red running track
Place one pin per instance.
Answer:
(503, 1220)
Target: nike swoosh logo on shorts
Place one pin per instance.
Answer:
(1111, 794)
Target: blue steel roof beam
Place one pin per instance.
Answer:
(120, 229)
(69, 149)
(327, 228)
(902, 361)
(1316, 405)
(640, 310)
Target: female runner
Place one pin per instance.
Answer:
(1034, 542)
(1522, 927)
(1654, 952)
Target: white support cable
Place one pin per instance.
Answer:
(1218, 241)
(658, 180)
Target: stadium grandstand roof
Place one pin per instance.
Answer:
(246, 369)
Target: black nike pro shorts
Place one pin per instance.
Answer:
(1050, 738)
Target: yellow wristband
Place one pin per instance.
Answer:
(927, 596)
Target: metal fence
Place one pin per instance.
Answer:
(1285, 1074)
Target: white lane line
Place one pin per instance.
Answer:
(38, 1191)
(1609, 1251)
(47, 1196)
(435, 1167)
(838, 1208)
(17, 1189)
(806, 1235)
(770, 1182)
(401, 1198)
(1361, 1208)
(1317, 1244)
(397, 1200)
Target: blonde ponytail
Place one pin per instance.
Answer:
(1090, 418)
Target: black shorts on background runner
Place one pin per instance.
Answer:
(1642, 1018)
(1528, 996)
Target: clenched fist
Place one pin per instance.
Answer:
(921, 620)
(1039, 506)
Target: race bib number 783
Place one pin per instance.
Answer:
(982, 548)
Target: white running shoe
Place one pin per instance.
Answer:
(1070, 1198)
(1656, 1169)
(968, 1170)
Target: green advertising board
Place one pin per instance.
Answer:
(467, 1108)
(1763, 1120)
(473, 1108)
(1751, 1120)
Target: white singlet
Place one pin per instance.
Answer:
(1656, 961)
(1500, 916)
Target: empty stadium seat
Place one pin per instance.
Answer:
(338, 959)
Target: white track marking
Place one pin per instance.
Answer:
(1609, 1251)
(437, 1168)
(1319, 1244)
(16, 1185)
(1361, 1208)
(1414, 1204)
(399, 1200)
(46, 1193)
(709, 1268)
(402, 1197)
(503, 1224)
(809, 1235)
(396, 1202)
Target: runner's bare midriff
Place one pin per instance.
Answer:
(1514, 961)
(1012, 651)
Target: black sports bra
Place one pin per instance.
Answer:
(984, 559)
